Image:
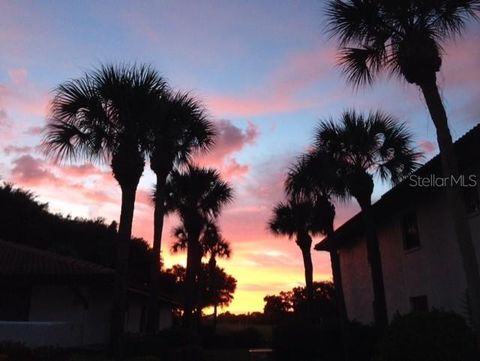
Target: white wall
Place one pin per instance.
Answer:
(62, 303)
(434, 269)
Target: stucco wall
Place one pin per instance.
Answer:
(87, 308)
(434, 269)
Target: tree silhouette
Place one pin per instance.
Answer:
(404, 38)
(301, 219)
(313, 176)
(196, 195)
(103, 116)
(179, 129)
(363, 147)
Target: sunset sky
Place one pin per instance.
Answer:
(266, 71)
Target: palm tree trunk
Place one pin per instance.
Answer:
(455, 198)
(308, 268)
(199, 285)
(339, 296)
(374, 258)
(158, 217)
(194, 254)
(121, 275)
(189, 287)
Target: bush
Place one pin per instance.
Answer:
(301, 341)
(428, 336)
(247, 338)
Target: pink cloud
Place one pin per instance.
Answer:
(21, 95)
(31, 171)
(230, 140)
(427, 147)
(282, 93)
(12, 149)
(18, 76)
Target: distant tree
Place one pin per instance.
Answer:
(294, 303)
(404, 38)
(103, 116)
(221, 293)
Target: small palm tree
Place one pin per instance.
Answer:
(103, 116)
(404, 38)
(214, 246)
(180, 128)
(196, 195)
(314, 177)
(363, 147)
(299, 219)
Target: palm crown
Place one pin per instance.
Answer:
(296, 218)
(98, 116)
(402, 37)
(197, 195)
(181, 128)
(373, 144)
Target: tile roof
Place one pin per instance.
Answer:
(18, 260)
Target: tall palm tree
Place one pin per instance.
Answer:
(103, 117)
(314, 177)
(404, 38)
(180, 128)
(363, 147)
(196, 195)
(301, 219)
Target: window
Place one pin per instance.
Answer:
(471, 199)
(419, 304)
(411, 237)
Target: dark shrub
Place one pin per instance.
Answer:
(428, 336)
(302, 341)
(247, 338)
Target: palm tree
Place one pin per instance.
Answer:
(404, 38)
(196, 195)
(363, 147)
(214, 246)
(301, 219)
(314, 177)
(103, 117)
(180, 129)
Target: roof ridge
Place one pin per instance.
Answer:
(56, 256)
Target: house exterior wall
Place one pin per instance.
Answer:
(434, 269)
(68, 316)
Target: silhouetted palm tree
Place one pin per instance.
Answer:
(197, 196)
(214, 246)
(180, 128)
(103, 116)
(404, 38)
(363, 147)
(301, 219)
(314, 177)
